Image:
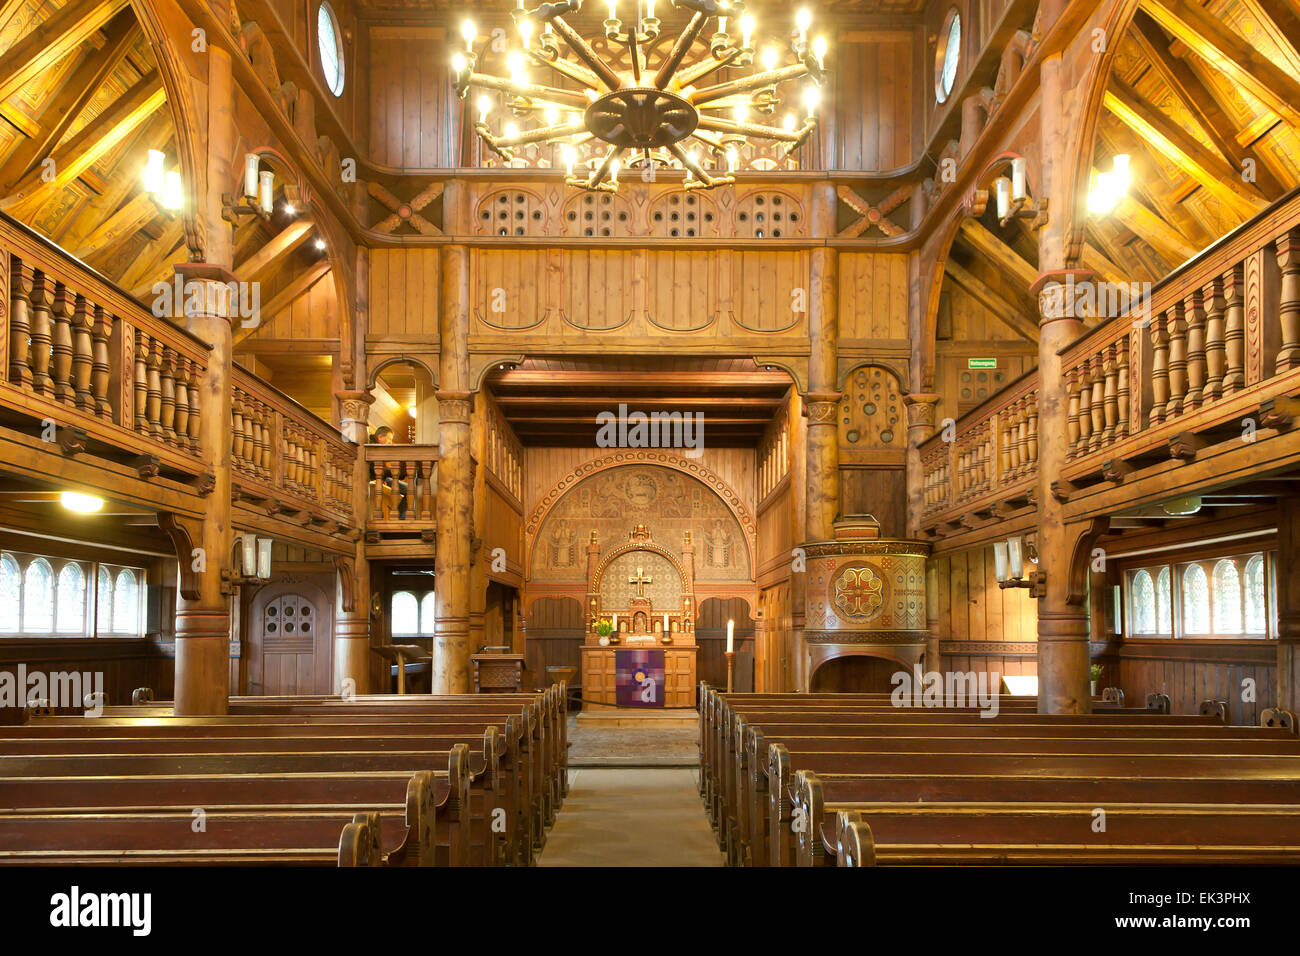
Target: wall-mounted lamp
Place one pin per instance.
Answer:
(1012, 196)
(1009, 566)
(1109, 188)
(258, 197)
(162, 185)
(254, 560)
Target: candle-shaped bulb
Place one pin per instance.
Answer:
(484, 107)
(769, 58)
(552, 114)
(722, 25)
(173, 195)
(266, 191)
(468, 32)
(251, 161)
(1121, 162)
(741, 112)
(819, 51)
(1019, 186)
(731, 630)
(1002, 186)
(511, 130)
(613, 9)
(802, 21)
(154, 175)
(570, 157)
(613, 172)
(811, 97)
(526, 31)
(731, 160)
(790, 122)
(458, 63)
(746, 29)
(650, 9)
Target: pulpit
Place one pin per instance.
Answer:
(645, 592)
(497, 673)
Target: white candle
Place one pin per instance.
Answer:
(615, 622)
(731, 628)
(665, 623)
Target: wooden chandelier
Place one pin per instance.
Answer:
(659, 116)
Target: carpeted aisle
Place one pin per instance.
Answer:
(642, 745)
(632, 817)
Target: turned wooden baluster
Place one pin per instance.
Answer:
(153, 410)
(1122, 388)
(426, 499)
(83, 358)
(195, 420)
(1159, 369)
(141, 382)
(1007, 458)
(1031, 432)
(1234, 329)
(262, 439)
(61, 309)
(1085, 406)
(1073, 431)
(1215, 352)
(1098, 405)
(1110, 393)
(1194, 315)
(42, 298)
(22, 280)
(377, 490)
(182, 421)
(1177, 333)
(101, 334)
(1288, 261)
(167, 408)
(237, 428)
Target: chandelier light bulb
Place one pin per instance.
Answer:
(468, 32)
(722, 25)
(811, 97)
(819, 51)
(802, 21)
(526, 31)
(484, 107)
(769, 59)
(1019, 186)
(1104, 196)
(613, 172)
(458, 63)
(512, 130)
(790, 122)
(731, 160)
(570, 157)
(650, 9)
(613, 9)
(251, 165)
(1002, 188)
(746, 29)
(552, 114)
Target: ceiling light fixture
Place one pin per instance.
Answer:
(82, 504)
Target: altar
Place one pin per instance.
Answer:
(642, 594)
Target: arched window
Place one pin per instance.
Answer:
(1256, 607)
(11, 587)
(38, 597)
(1227, 598)
(405, 614)
(103, 601)
(1196, 600)
(1144, 604)
(70, 607)
(126, 603)
(428, 616)
(1164, 616)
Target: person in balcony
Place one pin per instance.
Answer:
(384, 436)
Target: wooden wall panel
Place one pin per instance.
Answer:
(125, 664)
(973, 608)
(553, 635)
(873, 296)
(1191, 671)
(411, 99)
(681, 295)
(711, 636)
(874, 89)
(404, 290)
(879, 492)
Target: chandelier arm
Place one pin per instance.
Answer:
(679, 50)
(602, 170)
(696, 169)
(702, 69)
(634, 49)
(573, 71)
(529, 91)
(540, 134)
(585, 53)
(748, 84)
(719, 125)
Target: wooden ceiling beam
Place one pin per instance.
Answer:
(998, 252)
(123, 224)
(280, 245)
(1211, 40)
(1154, 230)
(1010, 314)
(52, 40)
(1160, 132)
(76, 93)
(569, 378)
(298, 287)
(143, 272)
(78, 154)
(1283, 16)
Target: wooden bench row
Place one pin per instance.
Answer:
(367, 781)
(797, 779)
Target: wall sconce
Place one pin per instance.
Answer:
(1109, 188)
(254, 560)
(1009, 566)
(1012, 196)
(162, 185)
(258, 197)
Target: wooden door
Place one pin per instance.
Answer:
(291, 625)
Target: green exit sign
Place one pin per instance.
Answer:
(982, 363)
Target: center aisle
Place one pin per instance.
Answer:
(632, 817)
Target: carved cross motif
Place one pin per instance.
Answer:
(640, 579)
(408, 212)
(873, 215)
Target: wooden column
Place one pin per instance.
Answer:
(203, 610)
(1062, 625)
(1288, 604)
(920, 426)
(455, 481)
(352, 661)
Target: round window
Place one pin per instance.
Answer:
(331, 48)
(947, 55)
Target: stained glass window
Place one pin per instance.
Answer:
(1227, 598)
(1256, 606)
(38, 597)
(1144, 604)
(70, 609)
(10, 593)
(428, 617)
(126, 603)
(1196, 600)
(103, 601)
(405, 614)
(1164, 612)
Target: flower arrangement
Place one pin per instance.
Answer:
(604, 628)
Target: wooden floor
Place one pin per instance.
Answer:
(632, 817)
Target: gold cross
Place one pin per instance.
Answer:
(640, 579)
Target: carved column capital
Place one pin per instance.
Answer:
(821, 408)
(921, 408)
(354, 414)
(202, 289)
(454, 407)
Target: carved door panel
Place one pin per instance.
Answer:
(290, 641)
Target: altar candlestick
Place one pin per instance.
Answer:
(731, 628)
(614, 622)
(665, 623)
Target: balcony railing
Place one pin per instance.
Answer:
(402, 484)
(76, 350)
(1217, 341)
